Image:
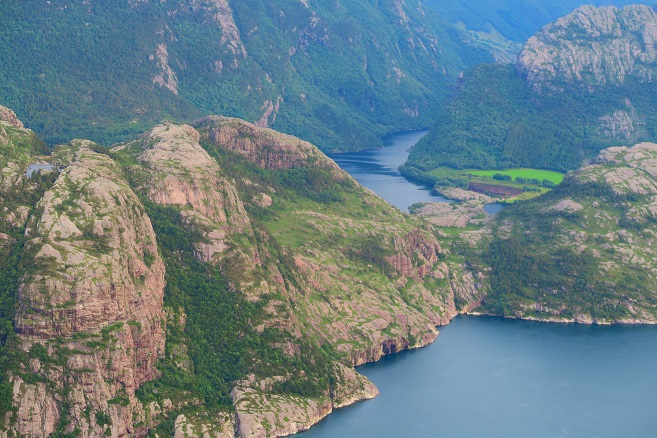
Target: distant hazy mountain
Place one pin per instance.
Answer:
(515, 20)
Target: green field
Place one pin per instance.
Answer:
(550, 175)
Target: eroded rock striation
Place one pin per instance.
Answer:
(593, 47)
(89, 312)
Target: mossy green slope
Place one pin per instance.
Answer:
(583, 252)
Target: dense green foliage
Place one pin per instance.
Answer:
(343, 73)
(87, 74)
(220, 329)
(516, 20)
(215, 316)
(497, 121)
(541, 261)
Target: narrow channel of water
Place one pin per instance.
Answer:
(377, 170)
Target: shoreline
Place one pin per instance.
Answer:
(473, 314)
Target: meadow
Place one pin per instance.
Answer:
(526, 173)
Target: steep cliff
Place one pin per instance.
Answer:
(585, 251)
(89, 305)
(593, 47)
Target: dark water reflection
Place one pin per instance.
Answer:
(494, 208)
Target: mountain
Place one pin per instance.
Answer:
(340, 74)
(581, 84)
(215, 278)
(513, 20)
(585, 251)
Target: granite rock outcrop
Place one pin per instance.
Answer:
(592, 48)
(89, 312)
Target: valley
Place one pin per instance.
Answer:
(179, 256)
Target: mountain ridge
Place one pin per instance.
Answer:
(270, 272)
(574, 91)
(339, 75)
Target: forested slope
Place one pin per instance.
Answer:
(583, 83)
(338, 74)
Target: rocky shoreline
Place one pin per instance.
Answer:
(581, 319)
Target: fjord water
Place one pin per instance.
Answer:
(491, 377)
(377, 170)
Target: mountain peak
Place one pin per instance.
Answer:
(9, 116)
(593, 47)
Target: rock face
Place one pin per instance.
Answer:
(260, 415)
(7, 115)
(625, 170)
(166, 78)
(623, 125)
(455, 215)
(175, 170)
(593, 47)
(92, 299)
(266, 148)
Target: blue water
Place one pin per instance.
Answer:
(377, 170)
(35, 168)
(490, 377)
(494, 208)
